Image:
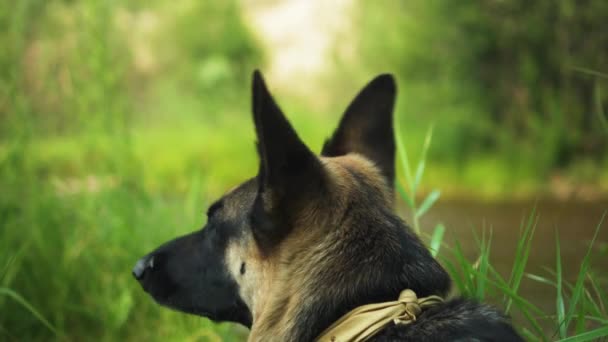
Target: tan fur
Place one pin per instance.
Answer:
(338, 167)
(275, 286)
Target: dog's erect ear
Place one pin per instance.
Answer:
(367, 127)
(289, 171)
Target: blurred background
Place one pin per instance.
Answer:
(121, 120)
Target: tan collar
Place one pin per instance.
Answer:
(365, 321)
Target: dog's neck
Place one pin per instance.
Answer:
(289, 293)
(311, 292)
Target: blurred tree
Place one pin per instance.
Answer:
(507, 69)
(213, 52)
(85, 64)
(526, 58)
(18, 24)
(64, 67)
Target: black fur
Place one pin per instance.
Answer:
(457, 320)
(184, 269)
(289, 174)
(373, 254)
(367, 127)
(377, 261)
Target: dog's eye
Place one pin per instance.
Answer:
(213, 208)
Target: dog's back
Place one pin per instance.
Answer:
(456, 320)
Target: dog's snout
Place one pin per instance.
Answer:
(142, 266)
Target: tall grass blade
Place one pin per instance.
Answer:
(524, 306)
(497, 276)
(467, 269)
(598, 293)
(428, 203)
(581, 324)
(590, 72)
(437, 239)
(517, 299)
(408, 200)
(521, 255)
(455, 274)
(559, 300)
(592, 304)
(529, 335)
(578, 287)
(422, 162)
(599, 110)
(482, 269)
(405, 164)
(16, 297)
(540, 279)
(593, 335)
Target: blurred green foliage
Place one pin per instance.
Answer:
(79, 201)
(508, 78)
(89, 64)
(120, 120)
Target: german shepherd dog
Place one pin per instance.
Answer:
(310, 238)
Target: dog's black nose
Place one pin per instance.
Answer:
(142, 266)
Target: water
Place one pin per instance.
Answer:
(574, 221)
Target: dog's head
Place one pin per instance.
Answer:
(308, 238)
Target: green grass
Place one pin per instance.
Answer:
(579, 313)
(77, 211)
(70, 258)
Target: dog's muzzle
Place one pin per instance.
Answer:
(143, 265)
